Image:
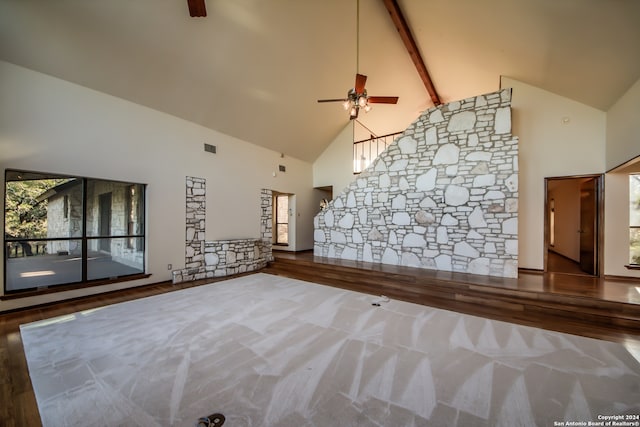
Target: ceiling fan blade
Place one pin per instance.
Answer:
(197, 8)
(383, 99)
(361, 79)
(333, 100)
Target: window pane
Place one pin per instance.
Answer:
(634, 246)
(47, 231)
(282, 207)
(114, 208)
(634, 200)
(40, 206)
(36, 264)
(111, 257)
(282, 234)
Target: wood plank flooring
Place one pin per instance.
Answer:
(484, 296)
(560, 264)
(581, 305)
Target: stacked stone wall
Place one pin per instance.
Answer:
(266, 222)
(221, 257)
(226, 257)
(195, 222)
(444, 196)
(59, 226)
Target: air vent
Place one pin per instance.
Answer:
(281, 168)
(210, 148)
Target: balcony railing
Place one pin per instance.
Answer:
(367, 150)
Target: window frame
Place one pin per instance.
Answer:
(633, 265)
(277, 223)
(84, 237)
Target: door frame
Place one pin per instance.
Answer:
(599, 220)
(291, 224)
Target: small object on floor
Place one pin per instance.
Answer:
(378, 302)
(213, 420)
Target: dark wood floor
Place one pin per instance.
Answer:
(554, 283)
(18, 401)
(560, 264)
(576, 304)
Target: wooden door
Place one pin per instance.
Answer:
(588, 225)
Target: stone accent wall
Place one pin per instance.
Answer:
(61, 225)
(234, 256)
(195, 220)
(444, 196)
(266, 222)
(226, 257)
(221, 257)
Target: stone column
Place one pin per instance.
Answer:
(266, 223)
(195, 222)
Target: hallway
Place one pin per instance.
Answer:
(557, 263)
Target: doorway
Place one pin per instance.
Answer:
(284, 221)
(282, 214)
(322, 196)
(573, 215)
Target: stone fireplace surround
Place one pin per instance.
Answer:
(221, 257)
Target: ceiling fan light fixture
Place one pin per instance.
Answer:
(357, 97)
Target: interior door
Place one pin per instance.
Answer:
(588, 225)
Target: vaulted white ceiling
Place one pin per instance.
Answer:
(254, 69)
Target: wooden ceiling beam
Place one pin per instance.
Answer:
(409, 42)
(197, 8)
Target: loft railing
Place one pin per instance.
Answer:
(367, 150)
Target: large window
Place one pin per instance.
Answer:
(634, 219)
(65, 229)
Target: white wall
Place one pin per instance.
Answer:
(566, 196)
(49, 125)
(623, 128)
(334, 167)
(550, 146)
(616, 230)
(623, 144)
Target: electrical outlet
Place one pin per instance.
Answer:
(169, 266)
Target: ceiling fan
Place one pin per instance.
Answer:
(357, 96)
